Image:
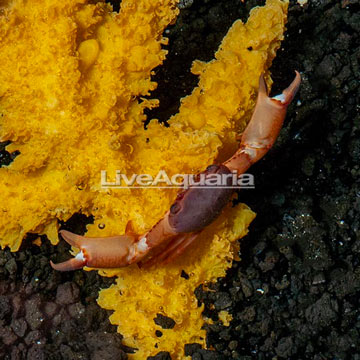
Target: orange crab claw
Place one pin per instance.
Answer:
(288, 94)
(110, 252)
(264, 126)
(76, 263)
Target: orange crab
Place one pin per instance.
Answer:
(194, 208)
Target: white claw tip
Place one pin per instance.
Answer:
(142, 245)
(280, 97)
(80, 256)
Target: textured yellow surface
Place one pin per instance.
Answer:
(69, 102)
(225, 317)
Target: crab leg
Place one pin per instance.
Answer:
(193, 209)
(177, 246)
(115, 251)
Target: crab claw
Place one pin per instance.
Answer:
(76, 263)
(288, 94)
(264, 126)
(109, 252)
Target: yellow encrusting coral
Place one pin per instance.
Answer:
(69, 102)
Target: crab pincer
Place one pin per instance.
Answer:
(115, 251)
(194, 208)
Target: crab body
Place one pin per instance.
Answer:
(194, 208)
(198, 207)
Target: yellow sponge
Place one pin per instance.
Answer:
(69, 93)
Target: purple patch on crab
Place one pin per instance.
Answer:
(202, 203)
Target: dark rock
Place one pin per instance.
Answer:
(76, 310)
(17, 306)
(328, 67)
(271, 258)
(248, 314)
(190, 349)
(5, 308)
(246, 287)
(17, 352)
(67, 353)
(184, 275)
(11, 266)
(19, 327)
(67, 293)
(225, 334)
(309, 236)
(7, 336)
(33, 314)
(344, 283)
(95, 340)
(354, 22)
(208, 355)
(109, 353)
(233, 345)
(33, 337)
(36, 353)
(164, 321)
(285, 347)
(162, 355)
(323, 312)
(223, 301)
(50, 309)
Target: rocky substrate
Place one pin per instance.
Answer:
(46, 315)
(295, 293)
